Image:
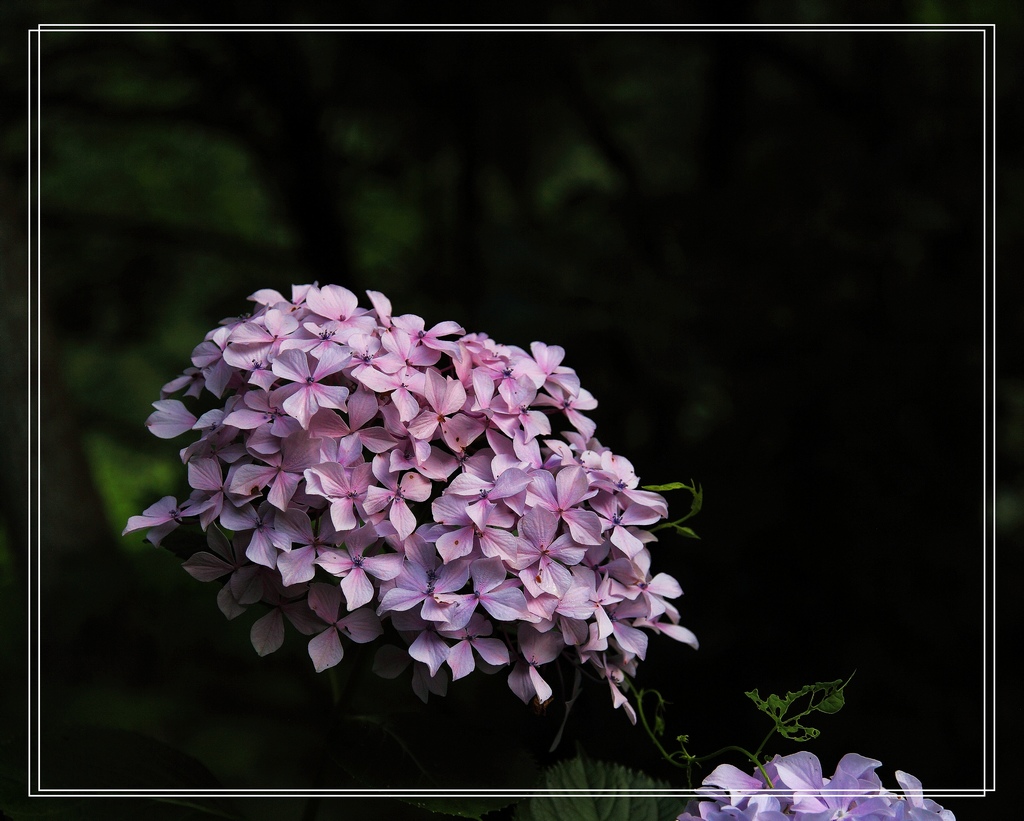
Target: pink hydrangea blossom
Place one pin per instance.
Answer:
(364, 469)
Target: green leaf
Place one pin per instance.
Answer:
(695, 506)
(696, 490)
(823, 697)
(669, 486)
(832, 703)
(581, 773)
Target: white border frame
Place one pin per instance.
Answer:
(988, 31)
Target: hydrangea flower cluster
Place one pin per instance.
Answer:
(369, 468)
(799, 791)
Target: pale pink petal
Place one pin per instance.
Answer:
(415, 487)
(399, 598)
(571, 486)
(487, 574)
(205, 474)
(327, 480)
(325, 649)
(665, 585)
(377, 381)
(629, 544)
(431, 649)
(382, 306)
(424, 425)
(292, 365)
(377, 440)
(406, 403)
(496, 543)
(332, 302)
(343, 515)
(541, 687)
(331, 360)
(357, 588)
(362, 626)
(362, 407)
(733, 779)
(335, 562)
(386, 566)
(509, 483)
(401, 517)
(261, 550)
(461, 660)
(330, 396)
(508, 604)
(493, 651)
(302, 405)
(170, 419)
(584, 525)
(247, 480)
(677, 632)
(296, 566)
(456, 543)
(377, 498)
(630, 639)
(460, 431)
(282, 489)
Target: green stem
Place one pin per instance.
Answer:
(643, 720)
(760, 749)
(690, 760)
(341, 694)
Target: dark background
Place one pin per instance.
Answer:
(762, 252)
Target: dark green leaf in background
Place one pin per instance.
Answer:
(582, 773)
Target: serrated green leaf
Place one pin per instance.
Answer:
(581, 773)
(776, 707)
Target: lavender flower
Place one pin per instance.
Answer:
(371, 469)
(799, 791)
